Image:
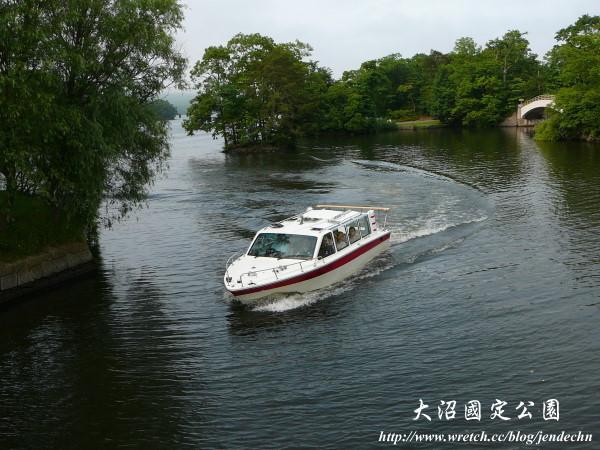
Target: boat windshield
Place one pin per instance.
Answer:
(277, 245)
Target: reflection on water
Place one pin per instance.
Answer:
(489, 291)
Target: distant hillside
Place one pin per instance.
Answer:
(179, 99)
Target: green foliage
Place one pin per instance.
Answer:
(388, 88)
(385, 125)
(443, 98)
(255, 92)
(164, 109)
(471, 86)
(549, 130)
(466, 47)
(77, 80)
(394, 83)
(481, 87)
(25, 234)
(402, 115)
(577, 102)
(346, 111)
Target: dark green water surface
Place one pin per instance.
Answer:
(490, 292)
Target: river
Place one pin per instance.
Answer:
(490, 293)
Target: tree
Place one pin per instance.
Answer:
(396, 87)
(466, 47)
(466, 90)
(164, 109)
(255, 92)
(576, 112)
(443, 97)
(512, 54)
(77, 80)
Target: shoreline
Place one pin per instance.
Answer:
(55, 265)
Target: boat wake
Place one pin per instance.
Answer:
(294, 301)
(393, 167)
(400, 236)
(319, 159)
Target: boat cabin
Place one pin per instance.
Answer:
(316, 233)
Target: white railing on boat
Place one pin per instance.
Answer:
(352, 207)
(276, 270)
(374, 208)
(232, 258)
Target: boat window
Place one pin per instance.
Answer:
(365, 228)
(327, 248)
(353, 233)
(341, 237)
(278, 245)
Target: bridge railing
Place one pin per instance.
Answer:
(539, 97)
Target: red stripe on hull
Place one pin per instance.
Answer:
(317, 272)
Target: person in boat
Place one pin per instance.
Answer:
(302, 249)
(352, 235)
(277, 246)
(340, 240)
(327, 247)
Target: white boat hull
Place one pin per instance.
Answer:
(325, 272)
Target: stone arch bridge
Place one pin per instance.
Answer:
(530, 112)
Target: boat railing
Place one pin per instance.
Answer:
(300, 265)
(379, 210)
(232, 258)
(374, 208)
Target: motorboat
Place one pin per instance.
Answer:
(308, 251)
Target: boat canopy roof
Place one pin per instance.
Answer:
(313, 222)
(316, 222)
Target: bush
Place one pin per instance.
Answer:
(548, 130)
(402, 115)
(33, 226)
(385, 124)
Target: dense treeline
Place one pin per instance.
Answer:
(255, 92)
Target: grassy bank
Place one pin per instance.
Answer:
(32, 228)
(411, 125)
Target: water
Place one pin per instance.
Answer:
(490, 291)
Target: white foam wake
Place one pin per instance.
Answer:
(430, 228)
(289, 302)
